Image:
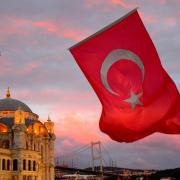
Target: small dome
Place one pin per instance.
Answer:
(3, 128)
(9, 104)
(37, 128)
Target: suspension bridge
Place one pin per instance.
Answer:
(91, 155)
(88, 159)
(94, 159)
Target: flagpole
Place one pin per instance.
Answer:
(105, 28)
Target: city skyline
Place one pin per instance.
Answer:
(40, 71)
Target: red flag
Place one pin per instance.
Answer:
(137, 95)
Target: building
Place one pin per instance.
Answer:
(26, 144)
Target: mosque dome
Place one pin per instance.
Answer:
(9, 104)
(9, 107)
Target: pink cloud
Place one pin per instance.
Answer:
(175, 141)
(170, 21)
(58, 29)
(50, 27)
(57, 94)
(57, 101)
(162, 2)
(74, 35)
(27, 26)
(80, 103)
(122, 3)
(77, 129)
(27, 69)
(107, 5)
(91, 4)
(67, 143)
(34, 65)
(149, 19)
(43, 95)
(12, 28)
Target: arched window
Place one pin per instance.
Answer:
(27, 147)
(37, 166)
(24, 164)
(3, 164)
(15, 165)
(31, 144)
(38, 146)
(34, 165)
(8, 164)
(42, 154)
(15, 177)
(29, 165)
(29, 177)
(1, 142)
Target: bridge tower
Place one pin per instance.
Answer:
(96, 155)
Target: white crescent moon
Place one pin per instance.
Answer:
(114, 56)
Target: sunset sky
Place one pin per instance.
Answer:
(35, 62)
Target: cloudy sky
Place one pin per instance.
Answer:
(35, 63)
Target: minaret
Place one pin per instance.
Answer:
(50, 127)
(18, 137)
(8, 95)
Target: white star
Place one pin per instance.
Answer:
(134, 99)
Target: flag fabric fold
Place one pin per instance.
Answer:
(137, 95)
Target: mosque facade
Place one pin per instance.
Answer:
(26, 143)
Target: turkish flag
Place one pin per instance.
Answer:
(137, 95)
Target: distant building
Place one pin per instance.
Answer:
(80, 177)
(26, 144)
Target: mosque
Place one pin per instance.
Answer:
(26, 143)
